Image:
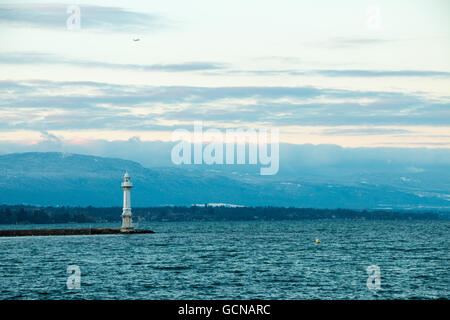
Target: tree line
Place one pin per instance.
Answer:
(21, 214)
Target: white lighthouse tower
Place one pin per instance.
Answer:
(127, 224)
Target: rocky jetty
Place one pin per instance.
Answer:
(67, 232)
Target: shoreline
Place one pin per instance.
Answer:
(68, 232)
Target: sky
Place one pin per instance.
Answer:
(349, 73)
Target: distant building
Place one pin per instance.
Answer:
(127, 223)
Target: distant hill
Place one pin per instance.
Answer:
(61, 179)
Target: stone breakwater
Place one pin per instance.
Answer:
(66, 232)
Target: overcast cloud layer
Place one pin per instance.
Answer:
(321, 73)
(113, 106)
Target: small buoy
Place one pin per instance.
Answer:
(317, 240)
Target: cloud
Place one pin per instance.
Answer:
(50, 140)
(29, 106)
(382, 73)
(356, 42)
(37, 58)
(346, 73)
(47, 59)
(299, 158)
(99, 18)
(364, 131)
(49, 137)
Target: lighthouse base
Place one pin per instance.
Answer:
(127, 225)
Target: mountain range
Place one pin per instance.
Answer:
(65, 179)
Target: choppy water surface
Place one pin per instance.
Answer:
(234, 260)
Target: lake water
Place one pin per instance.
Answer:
(234, 260)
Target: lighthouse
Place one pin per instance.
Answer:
(127, 224)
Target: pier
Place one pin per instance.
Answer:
(68, 232)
